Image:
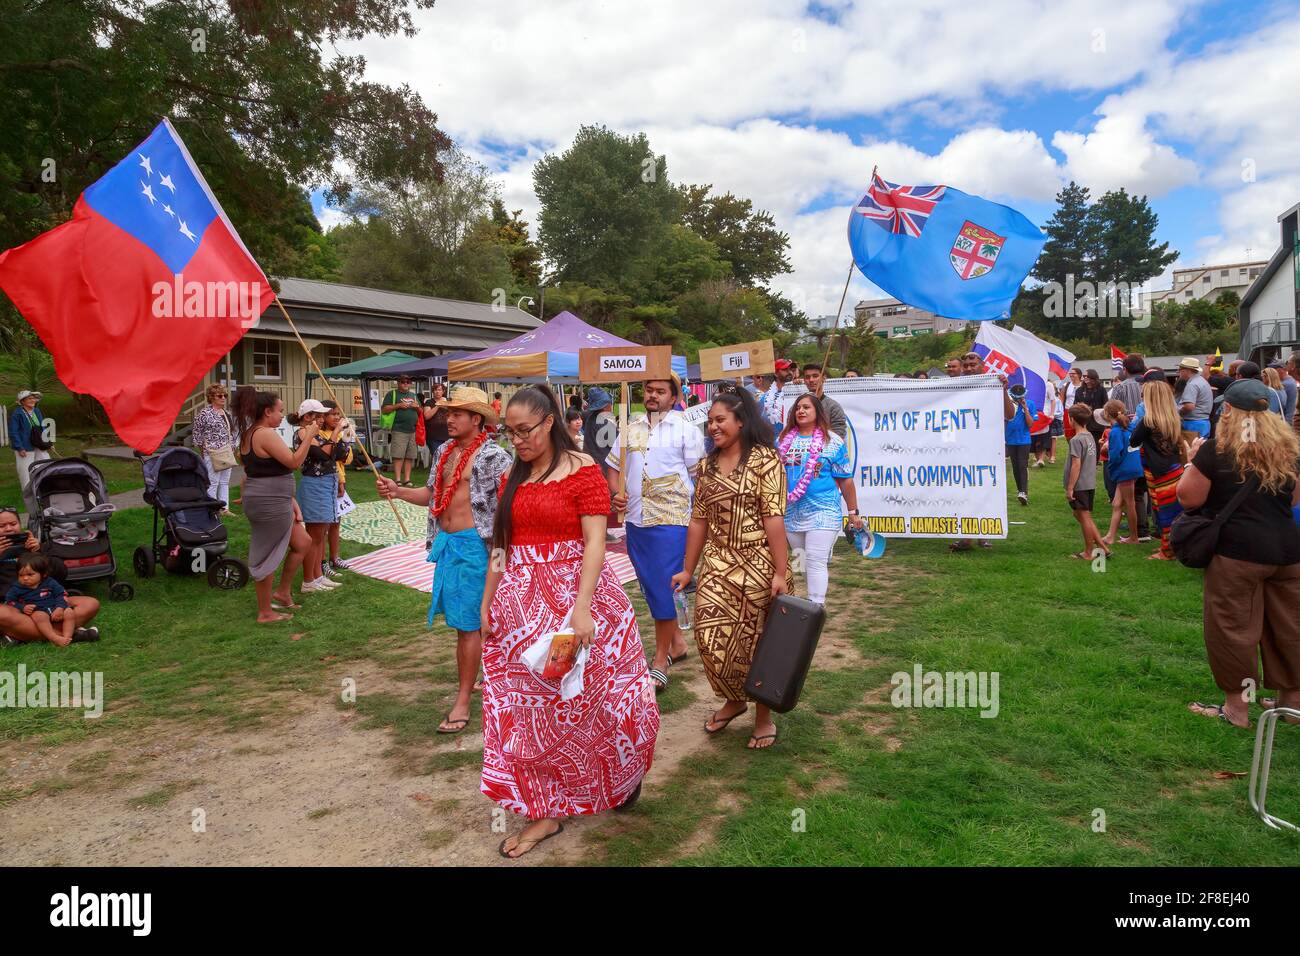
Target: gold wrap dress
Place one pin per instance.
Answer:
(734, 587)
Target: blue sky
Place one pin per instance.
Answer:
(790, 104)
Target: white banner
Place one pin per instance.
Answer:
(928, 456)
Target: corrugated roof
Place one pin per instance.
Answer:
(432, 337)
(353, 298)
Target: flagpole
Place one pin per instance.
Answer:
(329, 388)
(843, 295)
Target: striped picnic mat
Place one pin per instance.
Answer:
(405, 564)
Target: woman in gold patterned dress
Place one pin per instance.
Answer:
(738, 527)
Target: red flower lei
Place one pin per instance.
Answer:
(442, 498)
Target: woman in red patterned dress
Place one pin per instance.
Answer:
(545, 757)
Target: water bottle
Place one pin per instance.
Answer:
(683, 610)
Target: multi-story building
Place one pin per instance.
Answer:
(892, 319)
(1269, 308)
(1206, 282)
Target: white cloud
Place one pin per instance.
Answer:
(1121, 152)
(330, 216)
(740, 94)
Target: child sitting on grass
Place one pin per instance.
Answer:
(43, 599)
(1081, 482)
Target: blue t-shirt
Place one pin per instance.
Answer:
(1017, 429)
(819, 508)
(46, 596)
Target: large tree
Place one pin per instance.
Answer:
(429, 238)
(749, 240)
(255, 87)
(605, 201)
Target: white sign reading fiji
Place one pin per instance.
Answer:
(735, 361)
(622, 363)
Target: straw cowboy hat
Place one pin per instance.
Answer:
(473, 400)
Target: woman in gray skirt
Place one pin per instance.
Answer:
(268, 500)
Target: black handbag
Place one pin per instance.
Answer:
(785, 652)
(1194, 536)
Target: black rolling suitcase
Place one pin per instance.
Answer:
(785, 652)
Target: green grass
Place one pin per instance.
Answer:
(1095, 673)
(185, 653)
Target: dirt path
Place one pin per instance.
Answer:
(312, 788)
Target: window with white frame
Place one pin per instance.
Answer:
(266, 360)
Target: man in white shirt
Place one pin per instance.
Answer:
(662, 452)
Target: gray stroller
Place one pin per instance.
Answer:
(68, 513)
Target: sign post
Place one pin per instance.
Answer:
(623, 364)
(737, 361)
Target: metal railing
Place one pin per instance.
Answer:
(1265, 332)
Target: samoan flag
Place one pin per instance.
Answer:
(940, 249)
(142, 291)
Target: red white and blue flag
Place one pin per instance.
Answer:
(1117, 359)
(899, 209)
(1021, 358)
(1059, 358)
(142, 291)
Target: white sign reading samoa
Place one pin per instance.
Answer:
(622, 363)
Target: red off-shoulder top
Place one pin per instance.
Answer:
(549, 512)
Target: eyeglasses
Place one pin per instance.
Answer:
(521, 434)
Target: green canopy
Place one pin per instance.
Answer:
(364, 366)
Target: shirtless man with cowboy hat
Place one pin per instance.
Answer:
(461, 496)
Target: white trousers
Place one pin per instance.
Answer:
(219, 482)
(25, 463)
(816, 547)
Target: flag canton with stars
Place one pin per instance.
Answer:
(899, 209)
(154, 195)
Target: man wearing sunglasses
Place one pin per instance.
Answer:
(15, 626)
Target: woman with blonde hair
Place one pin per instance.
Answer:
(1274, 381)
(1247, 474)
(1158, 434)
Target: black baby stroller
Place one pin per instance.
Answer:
(68, 512)
(192, 539)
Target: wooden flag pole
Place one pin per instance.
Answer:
(831, 338)
(360, 444)
(622, 444)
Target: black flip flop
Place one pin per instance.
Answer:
(660, 679)
(725, 721)
(1218, 711)
(447, 720)
(678, 659)
(535, 844)
(754, 740)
